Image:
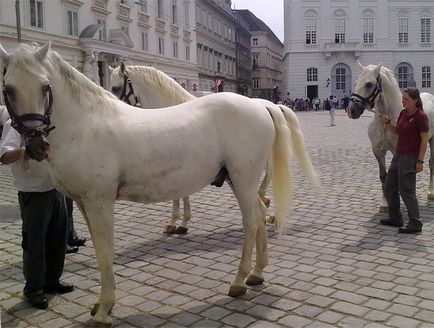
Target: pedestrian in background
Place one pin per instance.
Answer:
(412, 130)
(44, 226)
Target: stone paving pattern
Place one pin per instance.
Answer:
(336, 266)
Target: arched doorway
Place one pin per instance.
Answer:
(341, 81)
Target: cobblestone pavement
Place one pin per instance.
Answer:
(336, 266)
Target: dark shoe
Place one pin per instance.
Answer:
(59, 288)
(71, 249)
(77, 242)
(37, 300)
(411, 228)
(392, 223)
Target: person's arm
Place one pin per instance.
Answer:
(422, 150)
(12, 155)
(389, 125)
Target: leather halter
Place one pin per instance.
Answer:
(17, 121)
(370, 100)
(126, 97)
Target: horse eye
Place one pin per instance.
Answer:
(116, 89)
(369, 85)
(10, 91)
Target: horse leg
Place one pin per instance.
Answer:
(256, 277)
(99, 218)
(264, 186)
(171, 227)
(182, 228)
(249, 206)
(380, 155)
(431, 170)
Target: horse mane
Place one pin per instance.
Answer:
(159, 80)
(392, 83)
(76, 81)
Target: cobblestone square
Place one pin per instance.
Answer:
(335, 267)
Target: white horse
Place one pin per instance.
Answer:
(376, 87)
(148, 87)
(103, 149)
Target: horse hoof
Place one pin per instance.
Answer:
(254, 280)
(430, 197)
(181, 230)
(95, 309)
(384, 209)
(271, 219)
(235, 291)
(170, 230)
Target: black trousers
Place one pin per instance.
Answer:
(44, 238)
(72, 234)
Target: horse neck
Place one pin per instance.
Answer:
(389, 103)
(154, 95)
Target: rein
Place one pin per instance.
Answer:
(126, 97)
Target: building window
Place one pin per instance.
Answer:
(402, 30)
(36, 14)
(144, 41)
(254, 41)
(340, 78)
(187, 52)
(102, 34)
(175, 49)
(312, 74)
(161, 46)
(160, 13)
(368, 30)
(425, 30)
(426, 77)
(72, 18)
(340, 31)
(187, 13)
(255, 59)
(403, 76)
(311, 31)
(255, 83)
(174, 15)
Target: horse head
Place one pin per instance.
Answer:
(121, 85)
(28, 96)
(367, 88)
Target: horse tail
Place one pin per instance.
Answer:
(299, 145)
(280, 166)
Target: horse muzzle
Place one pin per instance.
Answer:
(354, 110)
(37, 147)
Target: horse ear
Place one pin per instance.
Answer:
(377, 69)
(42, 52)
(4, 56)
(360, 65)
(123, 67)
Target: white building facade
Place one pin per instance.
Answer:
(324, 39)
(92, 34)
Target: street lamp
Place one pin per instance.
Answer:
(18, 18)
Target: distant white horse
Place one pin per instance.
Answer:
(148, 87)
(377, 90)
(103, 149)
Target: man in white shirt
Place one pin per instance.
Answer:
(44, 228)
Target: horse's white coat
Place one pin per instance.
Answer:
(103, 149)
(155, 89)
(389, 102)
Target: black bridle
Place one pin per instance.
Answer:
(126, 97)
(17, 121)
(370, 100)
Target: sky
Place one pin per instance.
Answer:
(269, 11)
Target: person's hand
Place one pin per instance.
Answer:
(419, 167)
(386, 119)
